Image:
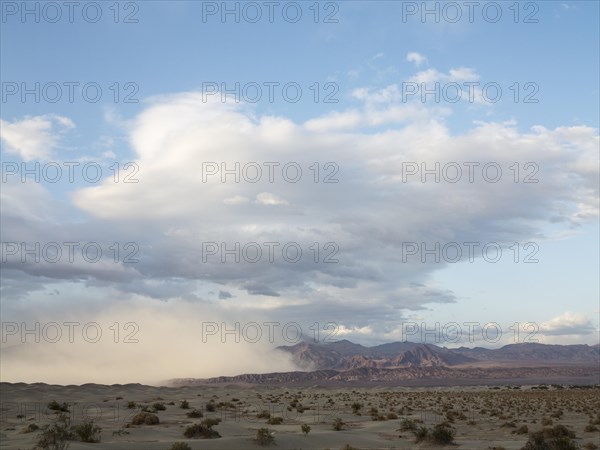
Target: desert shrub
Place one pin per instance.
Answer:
(55, 406)
(509, 425)
(556, 438)
(57, 435)
(159, 407)
(348, 447)
(264, 436)
(211, 407)
(338, 424)
(408, 425)
(30, 428)
(202, 430)
(356, 407)
(590, 446)
(184, 404)
(226, 405)
(145, 418)
(195, 414)
(87, 432)
(131, 405)
(264, 414)
(546, 421)
(180, 446)
(275, 420)
(305, 429)
(211, 422)
(442, 435)
(421, 433)
(559, 431)
(391, 416)
(589, 428)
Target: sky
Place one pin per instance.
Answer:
(187, 184)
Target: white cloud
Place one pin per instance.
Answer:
(267, 198)
(416, 58)
(458, 75)
(236, 200)
(368, 213)
(34, 137)
(568, 323)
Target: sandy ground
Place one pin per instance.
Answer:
(476, 413)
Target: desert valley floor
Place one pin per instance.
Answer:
(482, 417)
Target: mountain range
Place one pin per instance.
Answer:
(410, 363)
(345, 355)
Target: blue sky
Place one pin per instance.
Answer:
(365, 59)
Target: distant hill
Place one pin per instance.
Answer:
(344, 355)
(425, 364)
(534, 352)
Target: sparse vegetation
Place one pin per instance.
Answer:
(502, 415)
(55, 406)
(159, 406)
(87, 432)
(203, 430)
(407, 425)
(180, 446)
(557, 438)
(264, 436)
(145, 418)
(57, 435)
(441, 434)
(264, 414)
(338, 424)
(195, 414)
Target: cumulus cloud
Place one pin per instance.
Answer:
(568, 323)
(34, 137)
(367, 212)
(416, 58)
(316, 212)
